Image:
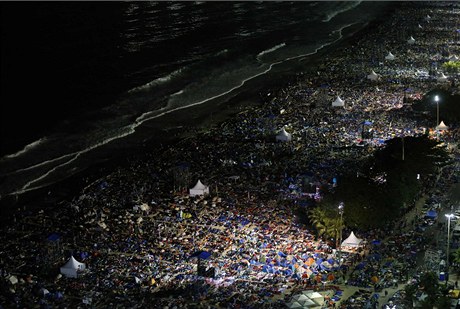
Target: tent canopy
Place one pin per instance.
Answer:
(204, 255)
(431, 213)
(390, 56)
(199, 189)
(71, 267)
(283, 136)
(338, 102)
(442, 126)
(373, 76)
(352, 241)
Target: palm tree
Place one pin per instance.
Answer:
(317, 218)
(326, 226)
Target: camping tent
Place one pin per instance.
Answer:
(411, 40)
(283, 136)
(431, 214)
(442, 78)
(390, 56)
(338, 102)
(453, 58)
(373, 76)
(442, 126)
(199, 189)
(71, 267)
(352, 241)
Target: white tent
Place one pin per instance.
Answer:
(315, 296)
(351, 241)
(284, 136)
(13, 279)
(300, 298)
(338, 102)
(373, 76)
(411, 40)
(43, 292)
(442, 126)
(144, 207)
(390, 56)
(71, 267)
(199, 189)
(294, 304)
(442, 78)
(453, 58)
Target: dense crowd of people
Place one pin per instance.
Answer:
(145, 241)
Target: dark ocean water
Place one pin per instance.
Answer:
(86, 82)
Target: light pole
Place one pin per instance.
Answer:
(436, 99)
(449, 216)
(341, 209)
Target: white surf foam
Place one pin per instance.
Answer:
(25, 149)
(331, 15)
(158, 81)
(127, 130)
(267, 51)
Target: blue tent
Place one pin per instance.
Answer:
(53, 237)
(204, 255)
(431, 214)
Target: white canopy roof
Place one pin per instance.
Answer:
(338, 102)
(199, 189)
(442, 78)
(352, 241)
(283, 135)
(411, 40)
(390, 56)
(453, 58)
(442, 126)
(373, 76)
(71, 267)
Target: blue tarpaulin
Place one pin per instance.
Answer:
(282, 254)
(53, 237)
(431, 213)
(202, 254)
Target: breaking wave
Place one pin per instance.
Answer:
(25, 149)
(270, 50)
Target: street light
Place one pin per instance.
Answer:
(448, 216)
(341, 209)
(436, 99)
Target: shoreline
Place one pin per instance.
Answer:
(207, 116)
